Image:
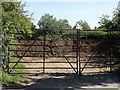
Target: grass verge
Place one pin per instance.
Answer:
(13, 78)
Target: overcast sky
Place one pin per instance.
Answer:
(72, 11)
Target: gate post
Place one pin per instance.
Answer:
(78, 53)
(44, 35)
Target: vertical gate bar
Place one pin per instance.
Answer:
(77, 53)
(44, 51)
(110, 50)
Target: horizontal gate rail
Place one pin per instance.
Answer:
(36, 74)
(38, 51)
(58, 56)
(42, 62)
(41, 45)
(45, 68)
(54, 45)
(40, 39)
(47, 56)
(62, 51)
(57, 62)
(58, 67)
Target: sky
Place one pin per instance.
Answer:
(73, 11)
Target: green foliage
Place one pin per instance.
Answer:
(116, 19)
(114, 23)
(7, 78)
(11, 78)
(105, 22)
(84, 24)
(50, 22)
(14, 17)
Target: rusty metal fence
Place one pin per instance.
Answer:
(52, 46)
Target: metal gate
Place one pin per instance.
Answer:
(98, 53)
(63, 49)
(66, 48)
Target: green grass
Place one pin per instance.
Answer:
(7, 78)
(10, 78)
(17, 66)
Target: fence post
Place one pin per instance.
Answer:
(44, 32)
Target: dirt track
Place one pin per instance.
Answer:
(62, 79)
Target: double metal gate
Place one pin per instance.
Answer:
(63, 47)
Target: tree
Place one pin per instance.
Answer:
(84, 24)
(48, 21)
(13, 17)
(114, 23)
(63, 24)
(116, 18)
(105, 22)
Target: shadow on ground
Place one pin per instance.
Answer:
(62, 80)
